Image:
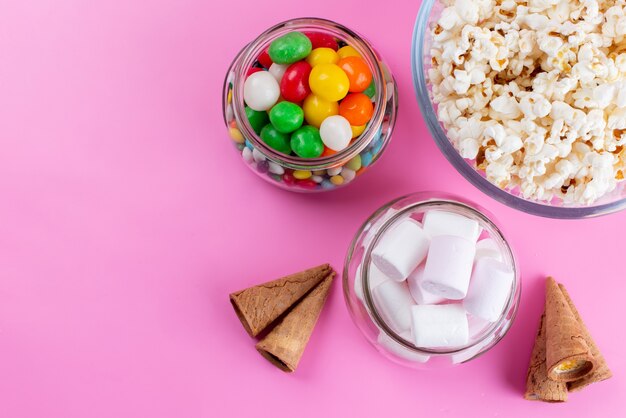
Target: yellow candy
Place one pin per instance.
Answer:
(329, 82)
(355, 163)
(317, 109)
(357, 130)
(336, 180)
(322, 56)
(229, 98)
(236, 135)
(302, 174)
(348, 51)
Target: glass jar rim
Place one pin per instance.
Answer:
(438, 199)
(246, 58)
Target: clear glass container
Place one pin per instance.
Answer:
(358, 295)
(429, 13)
(326, 172)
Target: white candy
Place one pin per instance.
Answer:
(449, 266)
(488, 248)
(276, 169)
(261, 91)
(401, 250)
(421, 296)
(489, 289)
(336, 132)
(278, 71)
(438, 222)
(247, 155)
(442, 326)
(391, 345)
(394, 302)
(375, 278)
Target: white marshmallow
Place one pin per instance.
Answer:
(449, 266)
(421, 296)
(376, 277)
(488, 248)
(391, 345)
(438, 222)
(401, 250)
(394, 302)
(442, 326)
(489, 289)
(367, 240)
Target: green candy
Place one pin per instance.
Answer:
(306, 142)
(257, 119)
(289, 48)
(286, 117)
(370, 91)
(275, 139)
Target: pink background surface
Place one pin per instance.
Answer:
(126, 218)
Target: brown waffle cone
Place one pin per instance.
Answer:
(258, 306)
(538, 386)
(601, 371)
(283, 346)
(565, 339)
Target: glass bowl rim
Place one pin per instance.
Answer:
(503, 323)
(460, 164)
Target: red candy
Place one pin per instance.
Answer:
(322, 40)
(294, 85)
(253, 70)
(307, 184)
(264, 59)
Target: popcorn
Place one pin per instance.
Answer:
(535, 92)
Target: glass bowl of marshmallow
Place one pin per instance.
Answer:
(431, 281)
(527, 99)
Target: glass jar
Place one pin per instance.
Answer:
(326, 172)
(358, 280)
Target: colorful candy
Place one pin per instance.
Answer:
(322, 56)
(261, 91)
(322, 40)
(347, 51)
(357, 71)
(336, 132)
(294, 85)
(257, 119)
(307, 95)
(286, 117)
(276, 139)
(289, 48)
(329, 82)
(277, 70)
(317, 109)
(306, 142)
(357, 108)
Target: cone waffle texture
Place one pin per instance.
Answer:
(538, 386)
(565, 340)
(601, 371)
(283, 346)
(260, 305)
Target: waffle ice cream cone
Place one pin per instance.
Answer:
(538, 386)
(601, 371)
(283, 346)
(568, 356)
(259, 306)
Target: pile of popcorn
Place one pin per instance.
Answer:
(534, 91)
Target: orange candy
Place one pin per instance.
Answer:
(328, 152)
(357, 108)
(358, 72)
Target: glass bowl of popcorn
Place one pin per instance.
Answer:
(528, 99)
(431, 281)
